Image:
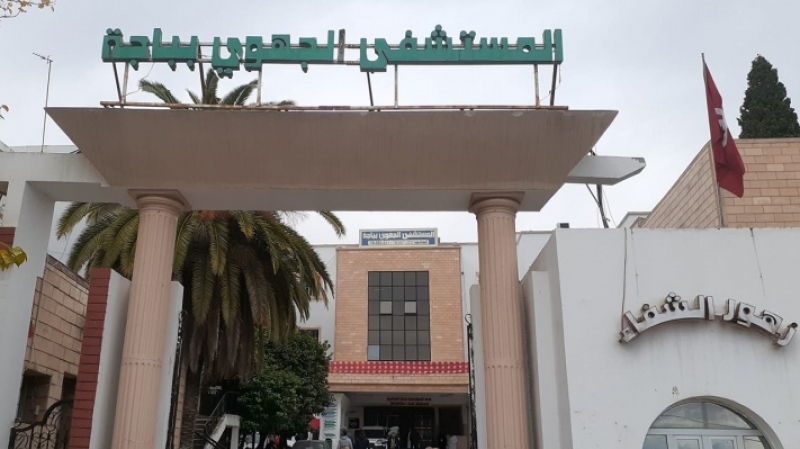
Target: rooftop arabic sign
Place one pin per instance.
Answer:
(675, 309)
(438, 49)
(376, 238)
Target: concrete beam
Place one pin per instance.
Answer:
(605, 170)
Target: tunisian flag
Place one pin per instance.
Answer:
(727, 161)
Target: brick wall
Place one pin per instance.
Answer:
(692, 202)
(86, 389)
(7, 235)
(447, 317)
(56, 329)
(771, 197)
(771, 190)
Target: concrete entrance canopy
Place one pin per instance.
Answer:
(493, 163)
(389, 160)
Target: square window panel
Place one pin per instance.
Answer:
(386, 337)
(374, 338)
(373, 352)
(386, 293)
(398, 352)
(411, 352)
(423, 323)
(374, 323)
(386, 307)
(398, 278)
(411, 278)
(386, 278)
(398, 337)
(398, 308)
(411, 308)
(386, 352)
(422, 278)
(424, 337)
(374, 293)
(423, 308)
(423, 352)
(411, 338)
(398, 323)
(386, 323)
(422, 293)
(411, 323)
(398, 293)
(374, 278)
(411, 294)
(374, 308)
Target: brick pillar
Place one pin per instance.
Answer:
(146, 330)
(89, 366)
(507, 412)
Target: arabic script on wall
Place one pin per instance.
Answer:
(676, 309)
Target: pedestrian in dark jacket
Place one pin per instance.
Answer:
(361, 441)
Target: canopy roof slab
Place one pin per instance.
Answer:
(343, 160)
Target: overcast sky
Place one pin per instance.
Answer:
(641, 58)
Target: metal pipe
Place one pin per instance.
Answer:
(260, 73)
(396, 103)
(116, 78)
(125, 83)
(333, 108)
(536, 82)
(553, 86)
(369, 85)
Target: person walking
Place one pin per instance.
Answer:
(361, 441)
(344, 441)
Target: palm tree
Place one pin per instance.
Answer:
(243, 272)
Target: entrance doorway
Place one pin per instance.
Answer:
(703, 425)
(405, 418)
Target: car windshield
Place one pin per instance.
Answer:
(374, 433)
(309, 445)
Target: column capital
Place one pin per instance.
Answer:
(504, 201)
(168, 200)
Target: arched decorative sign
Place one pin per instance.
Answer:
(675, 309)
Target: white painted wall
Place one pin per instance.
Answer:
(480, 376)
(322, 316)
(168, 366)
(600, 393)
(105, 405)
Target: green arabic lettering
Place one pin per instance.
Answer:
(116, 50)
(175, 52)
(226, 66)
(281, 52)
(438, 49)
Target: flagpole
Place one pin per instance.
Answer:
(711, 150)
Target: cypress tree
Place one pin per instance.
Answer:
(767, 111)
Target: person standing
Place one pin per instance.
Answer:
(452, 442)
(361, 441)
(344, 441)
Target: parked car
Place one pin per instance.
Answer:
(312, 444)
(376, 436)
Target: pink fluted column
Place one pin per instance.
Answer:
(501, 315)
(148, 309)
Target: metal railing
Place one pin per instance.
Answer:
(227, 405)
(52, 432)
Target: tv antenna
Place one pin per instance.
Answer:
(47, 95)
